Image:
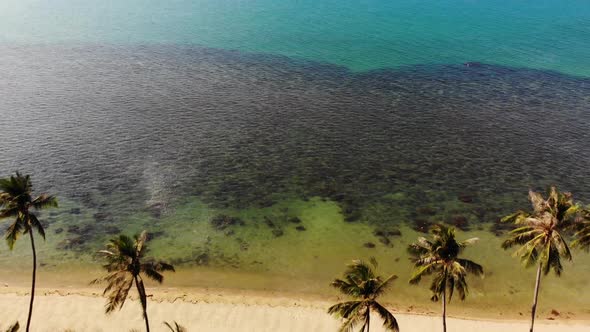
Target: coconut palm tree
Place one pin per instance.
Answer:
(125, 266)
(17, 201)
(582, 234)
(361, 283)
(539, 235)
(439, 257)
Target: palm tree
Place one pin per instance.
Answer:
(17, 201)
(439, 257)
(582, 234)
(125, 266)
(539, 235)
(361, 283)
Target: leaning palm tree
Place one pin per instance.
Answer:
(540, 235)
(361, 283)
(439, 257)
(17, 201)
(125, 266)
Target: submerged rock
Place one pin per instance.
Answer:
(385, 241)
(369, 245)
(460, 222)
(300, 228)
(203, 259)
(295, 220)
(223, 221)
(269, 222)
(421, 225)
(465, 198)
(277, 232)
(426, 210)
(112, 230)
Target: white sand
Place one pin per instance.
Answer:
(54, 312)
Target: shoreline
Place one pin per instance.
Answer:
(189, 285)
(81, 309)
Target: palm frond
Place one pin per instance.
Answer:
(36, 224)
(176, 328)
(44, 201)
(389, 321)
(13, 232)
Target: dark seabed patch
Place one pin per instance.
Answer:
(127, 130)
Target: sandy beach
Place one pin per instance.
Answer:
(226, 311)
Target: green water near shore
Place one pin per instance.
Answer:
(252, 257)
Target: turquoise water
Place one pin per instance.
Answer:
(361, 35)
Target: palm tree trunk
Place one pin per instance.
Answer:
(33, 279)
(537, 286)
(368, 317)
(444, 308)
(143, 299)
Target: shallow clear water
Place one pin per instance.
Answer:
(351, 117)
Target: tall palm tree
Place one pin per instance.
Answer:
(439, 257)
(539, 235)
(125, 266)
(17, 201)
(361, 283)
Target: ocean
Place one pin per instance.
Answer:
(312, 126)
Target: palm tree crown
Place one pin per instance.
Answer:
(539, 234)
(124, 256)
(16, 201)
(440, 257)
(361, 283)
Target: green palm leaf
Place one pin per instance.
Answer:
(361, 282)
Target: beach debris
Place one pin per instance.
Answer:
(223, 221)
(555, 312)
(369, 245)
